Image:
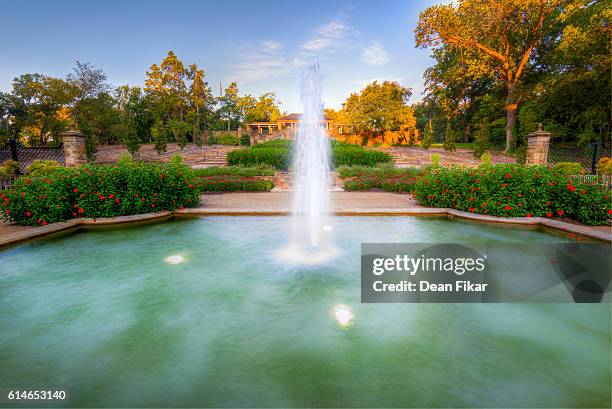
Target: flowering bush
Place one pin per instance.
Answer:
(511, 190)
(100, 191)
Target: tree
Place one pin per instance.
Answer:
(229, 105)
(200, 97)
(427, 136)
(449, 138)
(88, 82)
(158, 133)
(496, 36)
(264, 109)
(43, 106)
(96, 119)
(379, 107)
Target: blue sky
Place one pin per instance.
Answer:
(263, 45)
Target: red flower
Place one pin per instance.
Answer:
(549, 214)
(117, 200)
(503, 185)
(610, 211)
(560, 212)
(507, 176)
(547, 203)
(142, 199)
(571, 188)
(111, 196)
(135, 194)
(528, 214)
(28, 214)
(44, 223)
(154, 194)
(76, 190)
(101, 197)
(152, 204)
(471, 199)
(40, 197)
(27, 182)
(81, 210)
(472, 209)
(507, 208)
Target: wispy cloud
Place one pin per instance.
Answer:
(330, 37)
(263, 60)
(374, 54)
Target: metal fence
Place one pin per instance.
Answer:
(587, 156)
(25, 156)
(6, 182)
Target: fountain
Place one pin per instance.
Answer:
(311, 231)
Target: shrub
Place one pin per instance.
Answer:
(277, 158)
(435, 159)
(235, 183)
(385, 177)
(44, 167)
(604, 166)
(427, 136)
(245, 140)
(277, 153)
(100, 191)
(510, 190)
(228, 139)
(567, 168)
(486, 159)
(212, 139)
(9, 168)
(260, 170)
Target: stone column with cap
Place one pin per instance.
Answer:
(74, 148)
(538, 143)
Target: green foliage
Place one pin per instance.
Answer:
(158, 133)
(511, 190)
(604, 166)
(567, 168)
(245, 139)
(228, 139)
(435, 159)
(234, 183)
(278, 158)
(427, 136)
(260, 170)
(482, 139)
(358, 156)
(9, 168)
(44, 167)
(384, 177)
(486, 159)
(126, 133)
(449, 139)
(521, 154)
(100, 191)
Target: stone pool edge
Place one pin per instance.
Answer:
(88, 223)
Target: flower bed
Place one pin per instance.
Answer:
(511, 190)
(100, 191)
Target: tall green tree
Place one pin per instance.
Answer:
(497, 37)
(229, 106)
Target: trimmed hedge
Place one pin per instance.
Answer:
(277, 153)
(510, 190)
(260, 170)
(235, 183)
(385, 177)
(100, 191)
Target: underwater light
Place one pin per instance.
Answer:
(175, 259)
(343, 315)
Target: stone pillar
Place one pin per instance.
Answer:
(74, 148)
(537, 147)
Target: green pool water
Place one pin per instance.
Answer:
(101, 313)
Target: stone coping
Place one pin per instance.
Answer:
(87, 223)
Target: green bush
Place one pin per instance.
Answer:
(384, 177)
(435, 159)
(212, 139)
(604, 166)
(228, 139)
(567, 168)
(43, 167)
(9, 168)
(234, 183)
(277, 153)
(254, 156)
(100, 191)
(379, 171)
(245, 140)
(485, 159)
(259, 170)
(511, 190)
